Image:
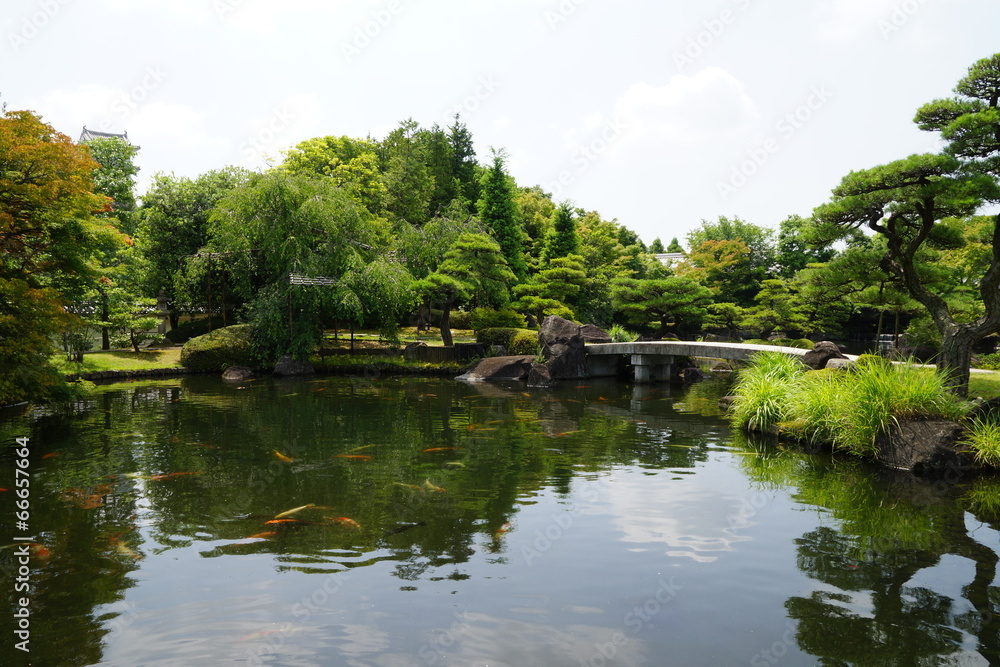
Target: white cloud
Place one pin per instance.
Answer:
(687, 111)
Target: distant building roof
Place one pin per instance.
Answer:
(667, 257)
(87, 135)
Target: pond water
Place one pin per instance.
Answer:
(480, 525)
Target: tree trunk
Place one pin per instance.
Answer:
(105, 336)
(446, 324)
(955, 358)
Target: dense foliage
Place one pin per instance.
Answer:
(412, 228)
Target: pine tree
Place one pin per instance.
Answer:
(563, 239)
(499, 212)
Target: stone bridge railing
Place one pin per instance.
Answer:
(652, 360)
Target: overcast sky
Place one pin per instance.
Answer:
(658, 114)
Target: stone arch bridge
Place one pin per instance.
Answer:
(653, 360)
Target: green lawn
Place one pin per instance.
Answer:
(985, 385)
(120, 360)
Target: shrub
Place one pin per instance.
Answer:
(188, 330)
(460, 319)
(982, 436)
(517, 341)
(488, 318)
(763, 389)
(220, 349)
(990, 362)
(620, 334)
(849, 410)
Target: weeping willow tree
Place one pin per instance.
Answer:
(281, 224)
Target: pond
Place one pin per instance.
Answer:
(439, 523)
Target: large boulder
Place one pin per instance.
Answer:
(539, 376)
(493, 369)
(289, 365)
(924, 446)
(563, 348)
(593, 334)
(237, 373)
(822, 353)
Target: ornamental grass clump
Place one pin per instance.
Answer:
(846, 409)
(763, 390)
(982, 436)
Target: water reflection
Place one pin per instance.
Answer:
(881, 534)
(442, 523)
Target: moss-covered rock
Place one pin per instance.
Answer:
(220, 349)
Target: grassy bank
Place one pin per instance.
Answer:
(360, 363)
(119, 360)
(848, 409)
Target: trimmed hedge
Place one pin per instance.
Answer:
(488, 318)
(517, 341)
(220, 349)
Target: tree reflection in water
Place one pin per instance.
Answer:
(885, 527)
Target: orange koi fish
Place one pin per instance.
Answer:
(266, 534)
(503, 529)
(282, 457)
(285, 522)
(410, 486)
(356, 457)
(351, 523)
(440, 449)
(170, 475)
(50, 455)
(4, 490)
(292, 511)
(431, 486)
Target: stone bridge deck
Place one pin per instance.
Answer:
(653, 360)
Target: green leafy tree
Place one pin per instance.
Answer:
(794, 252)
(50, 240)
(673, 303)
(281, 223)
(499, 213)
(742, 279)
(353, 164)
(464, 167)
(725, 316)
(970, 122)
(562, 240)
(903, 201)
(409, 184)
(656, 247)
(173, 225)
(115, 177)
(535, 210)
(675, 246)
(473, 271)
(552, 290)
(779, 306)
